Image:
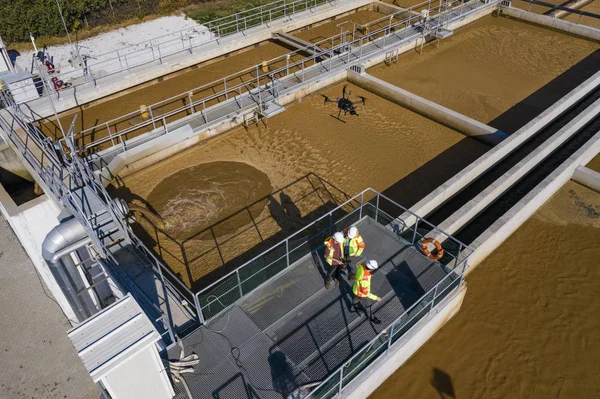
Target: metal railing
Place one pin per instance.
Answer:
(223, 293)
(99, 67)
(381, 344)
(285, 71)
(553, 7)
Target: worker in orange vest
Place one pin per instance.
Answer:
(354, 247)
(362, 290)
(334, 256)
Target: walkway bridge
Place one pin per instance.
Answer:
(223, 100)
(272, 328)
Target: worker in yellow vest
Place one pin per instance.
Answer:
(362, 290)
(334, 256)
(354, 247)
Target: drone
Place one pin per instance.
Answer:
(345, 104)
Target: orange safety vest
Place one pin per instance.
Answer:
(362, 285)
(333, 250)
(355, 246)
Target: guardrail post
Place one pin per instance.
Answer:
(362, 196)
(434, 296)
(377, 207)
(191, 101)
(239, 281)
(390, 336)
(287, 251)
(341, 380)
(198, 309)
(415, 232)
(204, 112)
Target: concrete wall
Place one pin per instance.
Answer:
(444, 192)
(11, 162)
(498, 232)
(229, 44)
(588, 177)
(429, 109)
(403, 349)
(31, 222)
(552, 23)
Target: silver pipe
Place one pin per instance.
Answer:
(62, 240)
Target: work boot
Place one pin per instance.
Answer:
(375, 320)
(351, 276)
(337, 282)
(328, 284)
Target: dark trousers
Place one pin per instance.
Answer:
(364, 303)
(335, 271)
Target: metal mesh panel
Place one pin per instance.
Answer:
(262, 268)
(365, 358)
(219, 296)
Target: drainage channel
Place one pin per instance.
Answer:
(535, 142)
(503, 203)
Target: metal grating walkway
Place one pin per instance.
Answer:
(293, 331)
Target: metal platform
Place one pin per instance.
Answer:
(292, 331)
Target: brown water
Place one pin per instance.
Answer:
(595, 163)
(529, 326)
(313, 161)
(487, 67)
(203, 75)
(305, 155)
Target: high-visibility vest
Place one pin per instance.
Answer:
(362, 284)
(333, 250)
(354, 246)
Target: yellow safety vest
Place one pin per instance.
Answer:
(331, 247)
(362, 284)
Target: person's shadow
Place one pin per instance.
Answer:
(285, 213)
(442, 382)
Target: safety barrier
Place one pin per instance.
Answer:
(261, 81)
(95, 68)
(223, 293)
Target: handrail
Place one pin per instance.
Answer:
(151, 50)
(353, 199)
(335, 50)
(388, 331)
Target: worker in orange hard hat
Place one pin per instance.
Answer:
(362, 290)
(354, 247)
(334, 256)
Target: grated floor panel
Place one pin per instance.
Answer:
(293, 331)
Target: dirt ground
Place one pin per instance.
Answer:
(529, 325)
(491, 65)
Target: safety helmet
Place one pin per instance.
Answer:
(352, 232)
(372, 264)
(339, 237)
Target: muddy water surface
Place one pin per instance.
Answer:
(489, 66)
(313, 162)
(529, 326)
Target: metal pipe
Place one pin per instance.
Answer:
(64, 239)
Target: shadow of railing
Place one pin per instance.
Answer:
(213, 252)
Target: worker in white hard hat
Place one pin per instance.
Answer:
(354, 247)
(363, 298)
(334, 256)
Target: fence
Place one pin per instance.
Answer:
(284, 73)
(96, 68)
(220, 295)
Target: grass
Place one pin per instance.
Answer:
(208, 11)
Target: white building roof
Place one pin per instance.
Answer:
(112, 336)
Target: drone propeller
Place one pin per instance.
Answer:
(344, 91)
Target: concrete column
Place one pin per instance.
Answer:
(552, 23)
(588, 177)
(430, 109)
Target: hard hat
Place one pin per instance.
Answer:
(372, 264)
(352, 232)
(339, 237)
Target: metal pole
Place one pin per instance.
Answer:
(341, 380)
(362, 196)
(287, 251)
(433, 299)
(415, 232)
(198, 310)
(239, 281)
(377, 207)
(390, 336)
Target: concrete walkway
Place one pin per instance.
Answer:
(38, 360)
